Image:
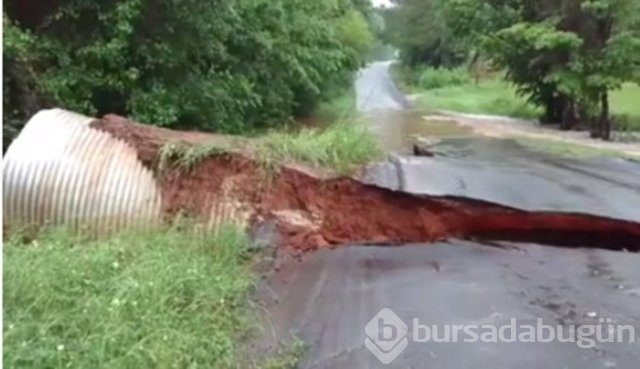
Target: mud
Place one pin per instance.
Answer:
(313, 212)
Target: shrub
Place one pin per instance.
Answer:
(432, 78)
(212, 65)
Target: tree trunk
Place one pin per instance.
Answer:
(594, 127)
(605, 122)
(555, 107)
(570, 115)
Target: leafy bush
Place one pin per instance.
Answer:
(172, 299)
(212, 65)
(432, 78)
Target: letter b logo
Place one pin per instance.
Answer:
(386, 336)
(386, 332)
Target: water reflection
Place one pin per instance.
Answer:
(399, 130)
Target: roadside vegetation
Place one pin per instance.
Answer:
(184, 156)
(571, 150)
(230, 67)
(342, 146)
(625, 105)
(457, 90)
(574, 63)
(173, 298)
(340, 105)
(136, 300)
(335, 139)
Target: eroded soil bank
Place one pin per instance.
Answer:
(313, 212)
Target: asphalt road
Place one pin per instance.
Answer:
(328, 298)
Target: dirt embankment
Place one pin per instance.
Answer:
(312, 212)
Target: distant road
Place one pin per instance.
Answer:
(375, 90)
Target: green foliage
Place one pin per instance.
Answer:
(571, 150)
(288, 357)
(431, 78)
(626, 108)
(184, 156)
(492, 97)
(342, 146)
(338, 106)
(21, 97)
(420, 30)
(213, 65)
(164, 299)
(565, 56)
(527, 51)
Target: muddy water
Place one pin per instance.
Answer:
(399, 130)
(498, 170)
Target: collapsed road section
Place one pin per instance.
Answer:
(312, 211)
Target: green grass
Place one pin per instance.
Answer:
(570, 150)
(342, 146)
(184, 156)
(288, 357)
(625, 105)
(162, 299)
(493, 97)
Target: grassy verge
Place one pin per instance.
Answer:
(342, 146)
(493, 97)
(625, 105)
(496, 97)
(570, 150)
(163, 299)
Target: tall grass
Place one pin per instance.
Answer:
(494, 97)
(432, 78)
(185, 156)
(169, 299)
(625, 105)
(342, 146)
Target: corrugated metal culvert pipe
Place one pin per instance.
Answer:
(59, 171)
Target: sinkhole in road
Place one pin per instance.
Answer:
(312, 212)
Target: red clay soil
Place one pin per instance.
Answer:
(313, 212)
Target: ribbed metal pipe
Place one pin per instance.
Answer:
(59, 171)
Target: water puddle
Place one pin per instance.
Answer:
(401, 130)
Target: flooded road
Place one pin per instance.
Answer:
(328, 298)
(492, 169)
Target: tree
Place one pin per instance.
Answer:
(232, 65)
(419, 29)
(563, 55)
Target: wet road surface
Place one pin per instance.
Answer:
(504, 172)
(327, 298)
(491, 169)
